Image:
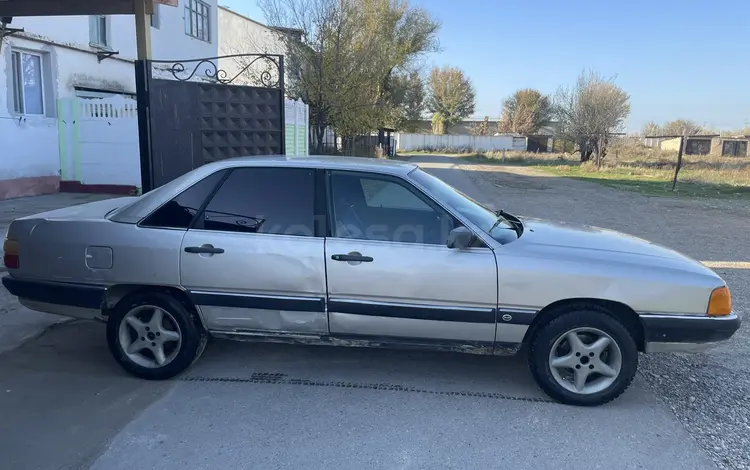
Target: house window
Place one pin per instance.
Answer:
(28, 84)
(99, 31)
(91, 93)
(197, 22)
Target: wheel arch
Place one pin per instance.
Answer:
(120, 291)
(618, 310)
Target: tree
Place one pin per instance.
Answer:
(342, 61)
(651, 129)
(451, 95)
(590, 112)
(681, 127)
(480, 128)
(525, 112)
(438, 124)
(408, 99)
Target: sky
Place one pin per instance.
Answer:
(677, 59)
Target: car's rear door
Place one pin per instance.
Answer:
(252, 262)
(390, 273)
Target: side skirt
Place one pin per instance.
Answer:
(356, 341)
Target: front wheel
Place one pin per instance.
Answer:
(584, 358)
(154, 336)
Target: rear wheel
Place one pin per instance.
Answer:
(583, 358)
(154, 336)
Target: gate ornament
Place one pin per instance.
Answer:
(265, 70)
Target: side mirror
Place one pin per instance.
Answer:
(460, 237)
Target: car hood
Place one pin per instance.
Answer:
(560, 239)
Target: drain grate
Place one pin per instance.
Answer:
(281, 379)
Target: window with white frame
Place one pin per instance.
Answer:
(99, 31)
(27, 82)
(197, 19)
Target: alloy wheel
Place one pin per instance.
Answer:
(150, 336)
(585, 360)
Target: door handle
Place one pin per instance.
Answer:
(204, 249)
(352, 257)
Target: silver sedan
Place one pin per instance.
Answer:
(361, 252)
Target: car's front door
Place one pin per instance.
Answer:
(252, 262)
(390, 273)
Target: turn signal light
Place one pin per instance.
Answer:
(10, 254)
(720, 303)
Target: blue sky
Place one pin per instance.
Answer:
(650, 46)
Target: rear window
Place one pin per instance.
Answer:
(181, 210)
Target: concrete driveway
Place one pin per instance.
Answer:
(65, 404)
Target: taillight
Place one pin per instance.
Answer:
(10, 257)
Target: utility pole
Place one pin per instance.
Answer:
(143, 11)
(679, 161)
(683, 142)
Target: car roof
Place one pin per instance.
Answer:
(377, 165)
(150, 201)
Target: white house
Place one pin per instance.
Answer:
(57, 60)
(239, 34)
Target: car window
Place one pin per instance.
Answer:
(263, 200)
(385, 209)
(380, 193)
(179, 212)
(465, 206)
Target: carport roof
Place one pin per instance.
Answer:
(73, 7)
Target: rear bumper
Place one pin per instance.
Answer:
(687, 333)
(60, 298)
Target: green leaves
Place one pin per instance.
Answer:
(451, 96)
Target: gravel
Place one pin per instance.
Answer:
(708, 392)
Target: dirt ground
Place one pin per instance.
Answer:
(708, 392)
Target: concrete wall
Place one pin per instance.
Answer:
(407, 142)
(30, 155)
(670, 144)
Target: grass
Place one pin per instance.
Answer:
(638, 169)
(691, 183)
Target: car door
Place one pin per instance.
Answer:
(252, 262)
(390, 273)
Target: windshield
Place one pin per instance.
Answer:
(481, 216)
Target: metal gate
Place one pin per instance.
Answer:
(191, 113)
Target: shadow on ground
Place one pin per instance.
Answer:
(62, 398)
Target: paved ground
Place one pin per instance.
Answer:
(709, 393)
(65, 404)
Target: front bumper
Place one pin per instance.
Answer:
(687, 333)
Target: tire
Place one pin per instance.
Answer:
(176, 319)
(587, 359)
